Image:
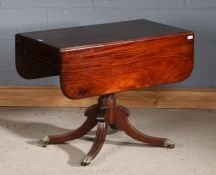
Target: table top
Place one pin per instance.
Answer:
(76, 37)
(107, 58)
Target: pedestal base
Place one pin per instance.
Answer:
(106, 113)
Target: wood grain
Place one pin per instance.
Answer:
(107, 58)
(118, 67)
(194, 98)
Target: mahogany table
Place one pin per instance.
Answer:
(101, 60)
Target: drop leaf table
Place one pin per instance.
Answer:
(101, 60)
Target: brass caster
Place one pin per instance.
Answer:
(169, 144)
(87, 160)
(45, 140)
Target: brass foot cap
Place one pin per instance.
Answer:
(169, 144)
(87, 160)
(45, 140)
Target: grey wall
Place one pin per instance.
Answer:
(28, 15)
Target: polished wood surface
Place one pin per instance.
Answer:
(106, 113)
(101, 60)
(107, 58)
(114, 68)
(34, 60)
(89, 124)
(88, 36)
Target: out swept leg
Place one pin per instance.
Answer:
(90, 122)
(99, 139)
(123, 123)
(106, 113)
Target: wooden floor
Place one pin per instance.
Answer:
(195, 98)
